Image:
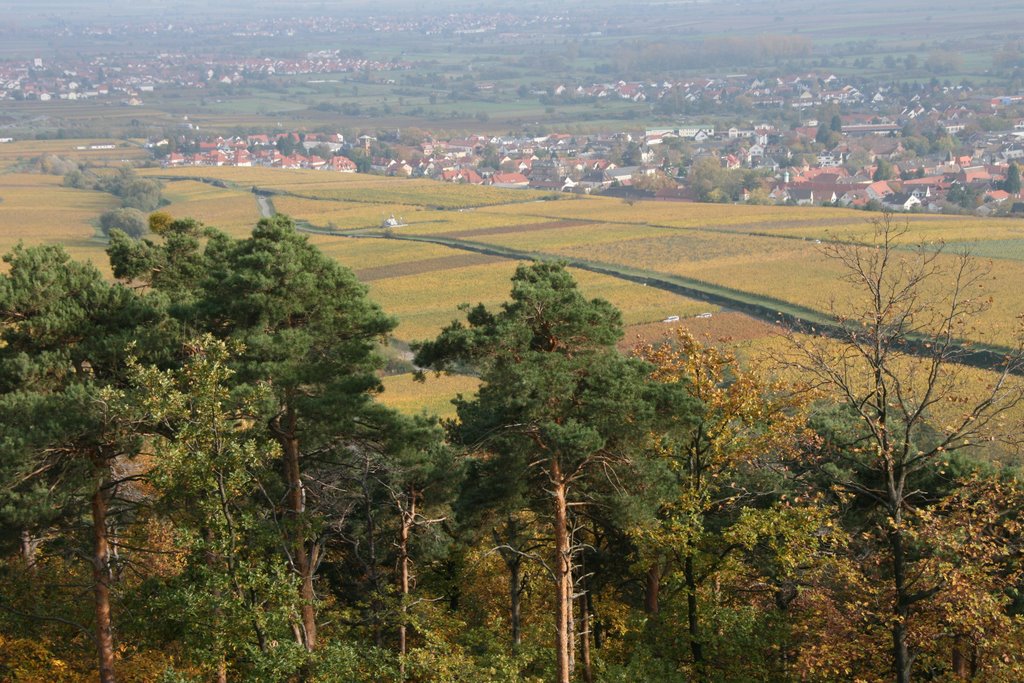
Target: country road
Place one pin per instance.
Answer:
(266, 206)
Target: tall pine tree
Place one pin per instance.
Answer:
(556, 408)
(64, 338)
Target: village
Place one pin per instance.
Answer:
(857, 161)
(130, 82)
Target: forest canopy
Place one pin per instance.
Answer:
(197, 481)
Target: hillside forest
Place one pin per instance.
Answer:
(197, 482)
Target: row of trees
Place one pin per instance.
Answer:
(197, 445)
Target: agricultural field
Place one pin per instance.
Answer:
(272, 178)
(776, 354)
(37, 209)
(721, 327)
(781, 221)
(233, 211)
(428, 193)
(678, 214)
(432, 396)
(21, 152)
(405, 277)
(768, 254)
(1012, 248)
(348, 215)
(402, 276)
(359, 188)
(920, 228)
(555, 236)
(467, 223)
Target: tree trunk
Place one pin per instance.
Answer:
(596, 627)
(213, 560)
(563, 575)
(261, 637)
(692, 620)
(373, 574)
(29, 546)
(514, 564)
(515, 594)
(961, 662)
(653, 590)
(588, 674)
(304, 559)
(902, 661)
(408, 518)
(101, 583)
(570, 602)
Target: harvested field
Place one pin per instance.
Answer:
(430, 265)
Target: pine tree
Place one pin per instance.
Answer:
(558, 404)
(308, 331)
(64, 339)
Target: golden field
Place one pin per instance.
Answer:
(22, 152)
(347, 215)
(405, 277)
(356, 187)
(776, 354)
(256, 175)
(233, 211)
(764, 251)
(37, 209)
(432, 396)
(771, 252)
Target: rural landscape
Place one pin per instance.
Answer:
(665, 342)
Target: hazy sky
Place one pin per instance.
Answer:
(908, 25)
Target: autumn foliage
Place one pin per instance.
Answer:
(199, 483)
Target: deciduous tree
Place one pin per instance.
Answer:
(898, 368)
